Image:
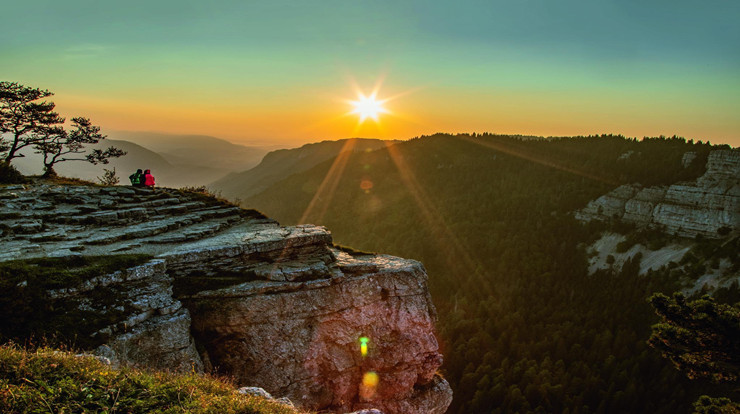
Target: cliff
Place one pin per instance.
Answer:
(231, 291)
(708, 206)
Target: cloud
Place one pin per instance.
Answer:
(85, 51)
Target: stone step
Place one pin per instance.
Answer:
(190, 233)
(132, 232)
(26, 226)
(177, 208)
(7, 188)
(239, 249)
(146, 229)
(122, 216)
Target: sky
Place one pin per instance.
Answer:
(282, 72)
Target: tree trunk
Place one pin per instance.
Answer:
(49, 172)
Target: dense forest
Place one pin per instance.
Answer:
(522, 325)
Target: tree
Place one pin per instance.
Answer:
(58, 145)
(32, 123)
(23, 118)
(701, 338)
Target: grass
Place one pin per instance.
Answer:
(48, 380)
(203, 194)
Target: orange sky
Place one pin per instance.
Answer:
(309, 117)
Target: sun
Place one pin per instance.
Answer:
(368, 107)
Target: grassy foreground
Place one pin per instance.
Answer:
(48, 380)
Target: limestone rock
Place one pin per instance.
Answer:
(688, 158)
(704, 207)
(161, 342)
(255, 391)
(304, 340)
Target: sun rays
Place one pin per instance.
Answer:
(321, 200)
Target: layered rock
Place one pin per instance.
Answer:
(304, 340)
(708, 206)
(275, 307)
(150, 328)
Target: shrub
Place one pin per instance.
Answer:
(9, 175)
(109, 177)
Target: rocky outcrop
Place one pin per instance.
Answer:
(274, 307)
(709, 206)
(305, 340)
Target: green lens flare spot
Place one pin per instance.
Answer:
(363, 345)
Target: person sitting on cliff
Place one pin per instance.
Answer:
(148, 179)
(137, 178)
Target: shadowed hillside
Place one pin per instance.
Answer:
(279, 164)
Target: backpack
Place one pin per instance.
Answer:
(135, 178)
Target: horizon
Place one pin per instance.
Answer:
(257, 74)
(276, 146)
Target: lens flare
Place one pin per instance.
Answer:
(369, 385)
(363, 345)
(366, 185)
(370, 379)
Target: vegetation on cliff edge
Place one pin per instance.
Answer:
(48, 380)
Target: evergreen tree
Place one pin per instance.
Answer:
(701, 338)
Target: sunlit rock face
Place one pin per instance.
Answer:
(304, 340)
(233, 291)
(708, 206)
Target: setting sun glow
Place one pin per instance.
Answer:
(368, 107)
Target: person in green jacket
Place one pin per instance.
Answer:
(137, 178)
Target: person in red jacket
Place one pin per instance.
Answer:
(148, 179)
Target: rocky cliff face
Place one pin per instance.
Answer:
(291, 337)
(275, 307)
(709, 206)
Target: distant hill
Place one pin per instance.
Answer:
(166, 174)
(196, 150)
(280, 164)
